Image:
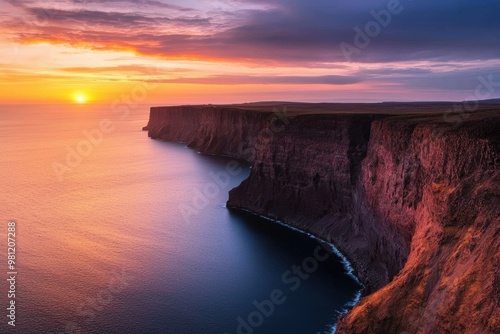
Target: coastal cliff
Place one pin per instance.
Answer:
(211, 130)
(412, 201)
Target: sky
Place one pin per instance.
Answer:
(232, 51)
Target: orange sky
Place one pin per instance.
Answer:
(45, 72)
(173, 52)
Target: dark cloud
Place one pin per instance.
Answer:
(156, 74)
(465, 80)
(115, 20)
(246, 79)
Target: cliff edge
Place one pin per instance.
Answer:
(413, 201)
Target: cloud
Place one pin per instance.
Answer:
(426, 46)
(115, 21)
(140, 69)
(246, 79)
(277, 31)
(466, 81)
(140, 3)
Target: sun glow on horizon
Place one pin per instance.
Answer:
(80, 98)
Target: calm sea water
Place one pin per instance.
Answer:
(104, 245)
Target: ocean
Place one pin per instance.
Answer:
(118, 233)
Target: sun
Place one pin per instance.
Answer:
(80, 98)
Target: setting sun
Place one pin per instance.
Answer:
(81, 99)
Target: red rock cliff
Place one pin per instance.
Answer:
(413, 202)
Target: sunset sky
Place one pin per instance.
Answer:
(223, 51)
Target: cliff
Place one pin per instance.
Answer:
(412, 201)
(211, 130)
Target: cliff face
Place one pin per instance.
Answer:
(211, 130)
(413, 202)
(308, 176)
(444, 191)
